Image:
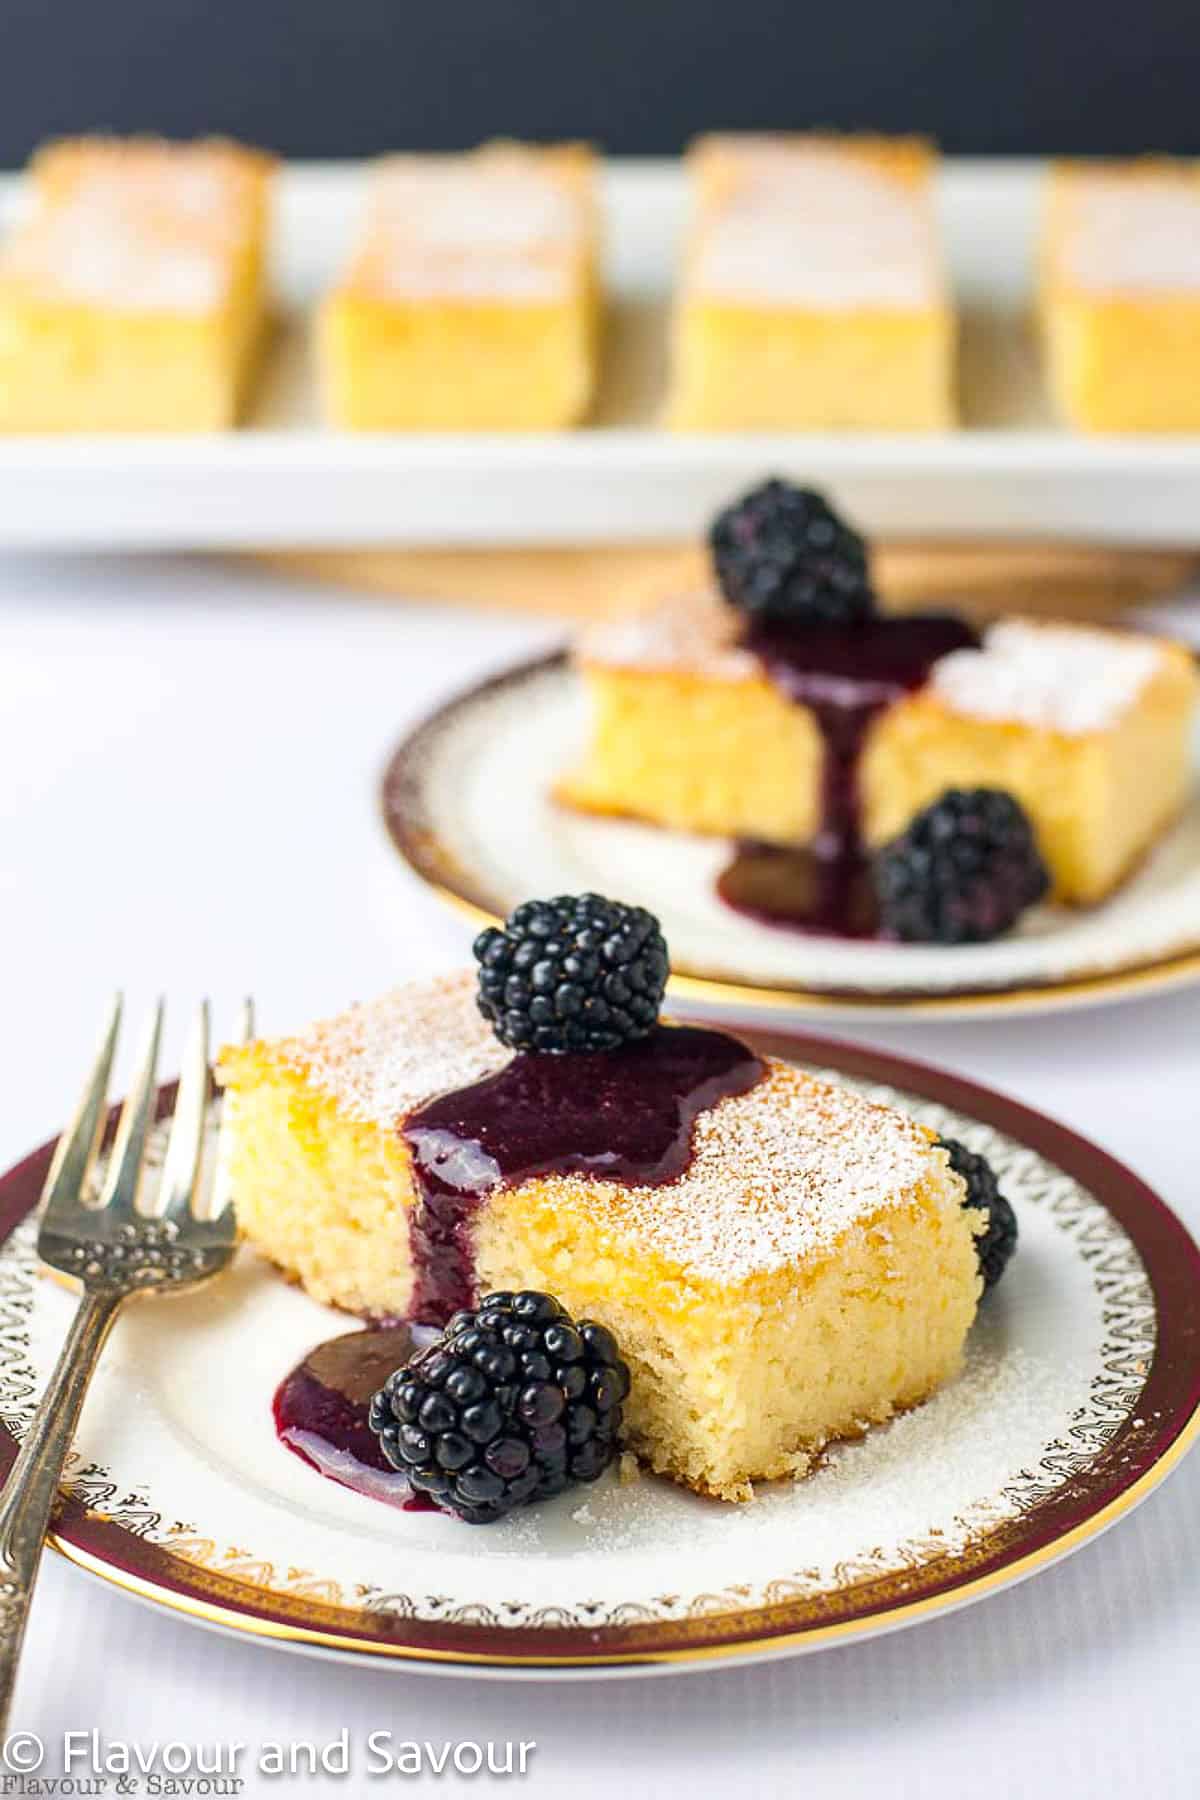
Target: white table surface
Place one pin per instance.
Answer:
(189, 753)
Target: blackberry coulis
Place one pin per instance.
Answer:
(998, 1242)
(512, 1404)
(963, 871)
(783, 556)
(576, 973)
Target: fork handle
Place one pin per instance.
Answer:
(29, 1493)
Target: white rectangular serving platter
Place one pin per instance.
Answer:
(284, 480)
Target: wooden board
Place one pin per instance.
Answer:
(980, 579)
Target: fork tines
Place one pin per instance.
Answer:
(124, 1191)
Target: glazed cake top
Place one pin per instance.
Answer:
(776, 1174)
(137, 224)
(815, 222)
(1134, 228)
(1072, 679)
(503, 223)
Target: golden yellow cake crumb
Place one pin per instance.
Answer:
(812, 295)
(1090, 729)
(811, 1270)
(1120, 294)
(472, 301)
(132, 297)
(628, 1469)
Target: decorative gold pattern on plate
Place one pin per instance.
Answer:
(874, 1578)
(416, 836)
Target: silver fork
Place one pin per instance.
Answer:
(119, 1244)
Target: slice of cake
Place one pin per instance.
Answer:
(781, 1261)
(132, 298)
(471, 303)
(1120, 294)
(701, 725)
(812, 296)
(685, 728)
(1090, 730)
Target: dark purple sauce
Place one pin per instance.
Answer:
(846, 676)
(829, 896)
(625, 1115)
(321, 1411)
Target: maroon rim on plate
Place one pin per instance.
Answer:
(416, 835)
(1130, 1465)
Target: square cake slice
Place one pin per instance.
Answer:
(1120, 294)
(689, 728)
(471, 303)
(1091, 730)
(812, 296)
(810, 1270)
(132, 297)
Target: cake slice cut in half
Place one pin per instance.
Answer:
(1120, 294)
(471, 303)
(132, 297)
(698, 724)
(812, 295)
(782, 1261)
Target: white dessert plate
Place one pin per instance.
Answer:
(284, 480)
(1081, 1390)
(466, 800)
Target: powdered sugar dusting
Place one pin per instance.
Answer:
(817, 225)
(1134, 234)
(889, 1489)
(498, 224)
(694, 633)
(382, 1060)
(1065, 678)
(776, 1174)
(143, 227)
(97, 254)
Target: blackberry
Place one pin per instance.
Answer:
(999, 1241)
(782, 555)
(964, 871)
(513, 1403)
(576, 973)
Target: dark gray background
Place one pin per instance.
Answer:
(343, 77)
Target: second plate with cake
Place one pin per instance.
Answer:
(827, 804)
